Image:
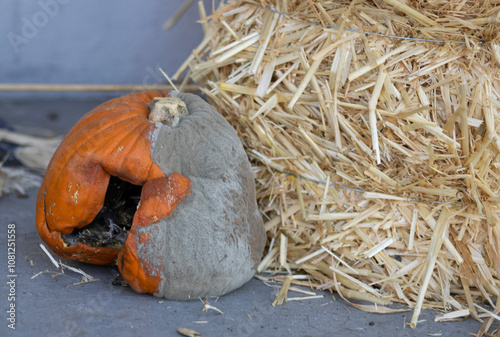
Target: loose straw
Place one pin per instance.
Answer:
(436, 242)
(372, 131)
(372, 104)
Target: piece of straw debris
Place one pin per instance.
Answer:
(171, 22)
(372, 104)
(489, 321)
(207, 306)
(40, 273)
(283, 293)
(364, 296)
(33, 152)
(435, 246)
(452, 315)
(303, 298)
(487, 312)
(28, 140)
(302, 291)
(86, 278)
(188, 332)
(379, 247)
(17, 179)
(54, 262)
(83, 281)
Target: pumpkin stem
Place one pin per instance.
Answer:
(167, 110)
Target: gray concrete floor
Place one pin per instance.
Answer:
(46, 306)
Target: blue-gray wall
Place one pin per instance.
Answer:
(93, 41)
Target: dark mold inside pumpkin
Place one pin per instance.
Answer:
(111, 225)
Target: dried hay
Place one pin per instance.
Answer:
(33, 153)
(17, 179)
(372, 127)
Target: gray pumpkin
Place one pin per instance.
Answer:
(214, 238)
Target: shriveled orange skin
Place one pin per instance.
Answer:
(112, 139)
(158, 199)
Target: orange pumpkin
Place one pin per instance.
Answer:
(160, 184)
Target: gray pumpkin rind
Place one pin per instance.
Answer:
(214, 238)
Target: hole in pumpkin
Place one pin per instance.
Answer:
(111, 225)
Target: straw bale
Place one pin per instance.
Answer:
(372, 127)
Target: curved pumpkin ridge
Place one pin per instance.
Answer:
(131, 161)
(61, 158)
(128, 109)
(95, 176)
(135, 102)
(85, 135)
(77, 143)
(82, 181)
(159, 197)
(111, 117)
(114, 159)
